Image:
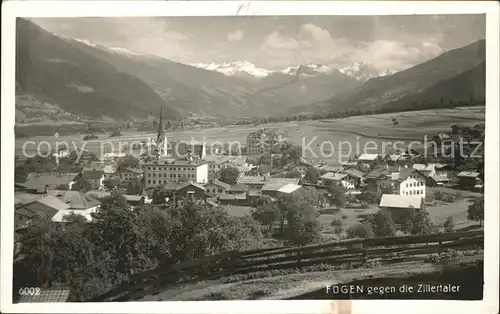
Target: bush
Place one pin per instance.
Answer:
(360, 230)
(448, 198)
(344, 216)
(475, 212)
(449, 224)
(448, 254)
(438, 195)
(337, 225)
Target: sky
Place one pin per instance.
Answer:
(384, 42)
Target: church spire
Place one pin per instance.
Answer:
(161, 140)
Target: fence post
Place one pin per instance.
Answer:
(299, 259)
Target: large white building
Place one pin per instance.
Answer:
(177, 171)
(405, 182)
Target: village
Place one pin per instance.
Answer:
(401, 182)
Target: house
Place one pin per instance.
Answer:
(130, 174)
(254, 183)
(392, 159)
(289, 188)
(216, 163)
(98, 194)
(261, 142)
(301, 166)
(134, 200)
(434, 171)
(233, 199)
(273, 185)
(217, 187)
(331, 168)
(94, 177)
(470, 180)
(190, 189)
(238, 188)
(78, 203)
(175, 171)
(186, 151)
(39, 182)
(405, 182)
(331, 178)
(368, 160)
(43, 207)
(401, 207)
(356, 177)
(110, 171)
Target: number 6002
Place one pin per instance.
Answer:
(29, 291)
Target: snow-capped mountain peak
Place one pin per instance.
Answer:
(231, 68)
(363, 71)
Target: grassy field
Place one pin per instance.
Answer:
(330, 140)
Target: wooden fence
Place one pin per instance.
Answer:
(352, 251)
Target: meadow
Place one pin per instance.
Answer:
(330, 140)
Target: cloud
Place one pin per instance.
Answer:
(394, 55)
(315, 44)
(276, 40)
(235, 36)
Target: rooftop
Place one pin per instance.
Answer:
(239, 187)
(368, 157)
(133, 198)
(468, 174)
(401, 201)
(190, 183)
(92, 174)
(333, 176)
(227, 197)
(39, 180)
(74, 199)
(219, 183)
(289, 188)
(252, 180)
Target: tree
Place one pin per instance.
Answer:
(301, 218)
(229, 175)
(337, 195)
(360, 230)
(312, 175)
(438, 195)
(369, 197)
(110, 184)
(475, 211)
(449, 224)
(127, 162)
(267, 214)
(82, 185)
(95, 257)
(338, 226)
(382, 223)
(419, 222)
(264, 160)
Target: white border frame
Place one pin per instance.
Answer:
(13, 9)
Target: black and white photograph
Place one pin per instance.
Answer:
(251, 157)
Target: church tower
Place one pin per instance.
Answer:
(161, 140)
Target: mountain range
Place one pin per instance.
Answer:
(454, 75)
(69, 78)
